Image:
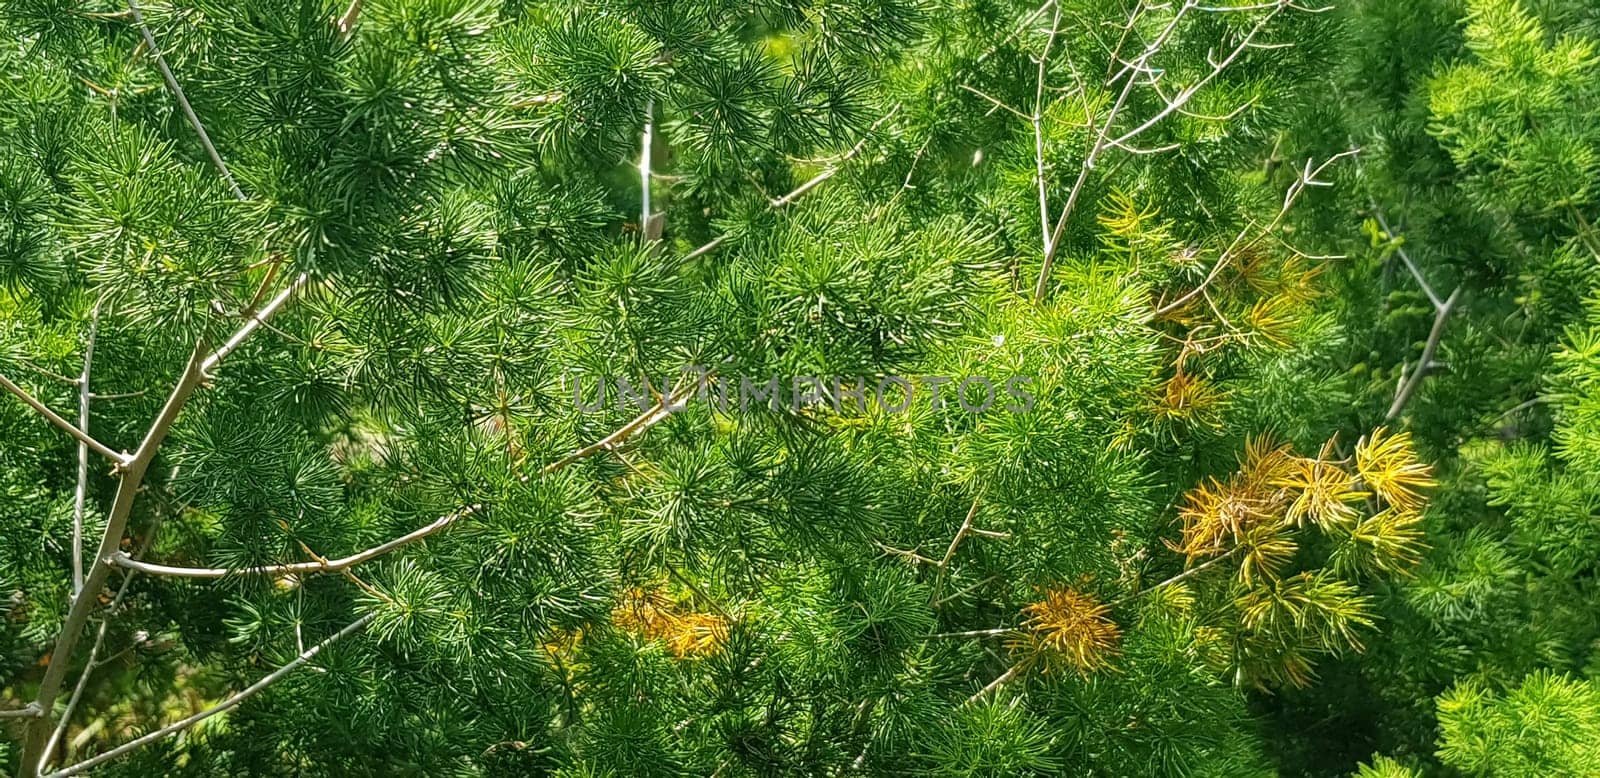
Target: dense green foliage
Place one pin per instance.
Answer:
(1301, 301)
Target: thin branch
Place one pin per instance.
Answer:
(649, 230)
(1193, 571)
(1416, 272)
(29, 711)
(81, 494)
(347, 20)
(1183, 97)
(93, 660)
(1425, 364)
(1038, 132)
(961, 534)
(102, 449)
(301, 568)
(1054, 242)
(183, 102)
(663, 408)
(1307, 178)
(131, 470)
(256, 320)
(800, 190)
(838, 164)
(221, 707)
(130, 482)
(1005, 678)
(974, 633)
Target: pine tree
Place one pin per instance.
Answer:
(375, 314)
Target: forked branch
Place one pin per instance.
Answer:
(221, 707)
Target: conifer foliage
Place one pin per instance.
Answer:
(796, 387)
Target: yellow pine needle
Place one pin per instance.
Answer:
(653, 615)
(1388, 465)
(1070, 628)
(1322, 490)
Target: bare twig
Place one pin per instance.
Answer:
(221, 707)
(121, 460)
(255, 321)
(1307, 178)
(132, 468)
(183, 102)
(649, 228)
(1037, 120)
(1416, 272)
(814, 182)
(961, 534)
(29, 711)
(1053, 243)
(1193, 571)
(1425, 364)
(301, 568)
(81, 494)
(93, 660)
(1182, 98)
(346, 23)
(974, 633)
(1004, 678)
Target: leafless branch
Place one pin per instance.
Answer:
(1054, 241)
(1307, 178)
(93, 661)
(797, 192)
(1416, 272)
(346, 23)
(649, 228)
(255, 321)
(183, 102)
(1183, 97)
(29, 711)
(1424, 364)
(1193, 571)
(102, 449)
(81, 494)
(221, 707)
(974, 633)
(1038, 133)
(301, 568)
(1004, 679)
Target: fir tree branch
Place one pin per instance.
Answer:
(183, 102)
(121, 460)
(221, 707)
